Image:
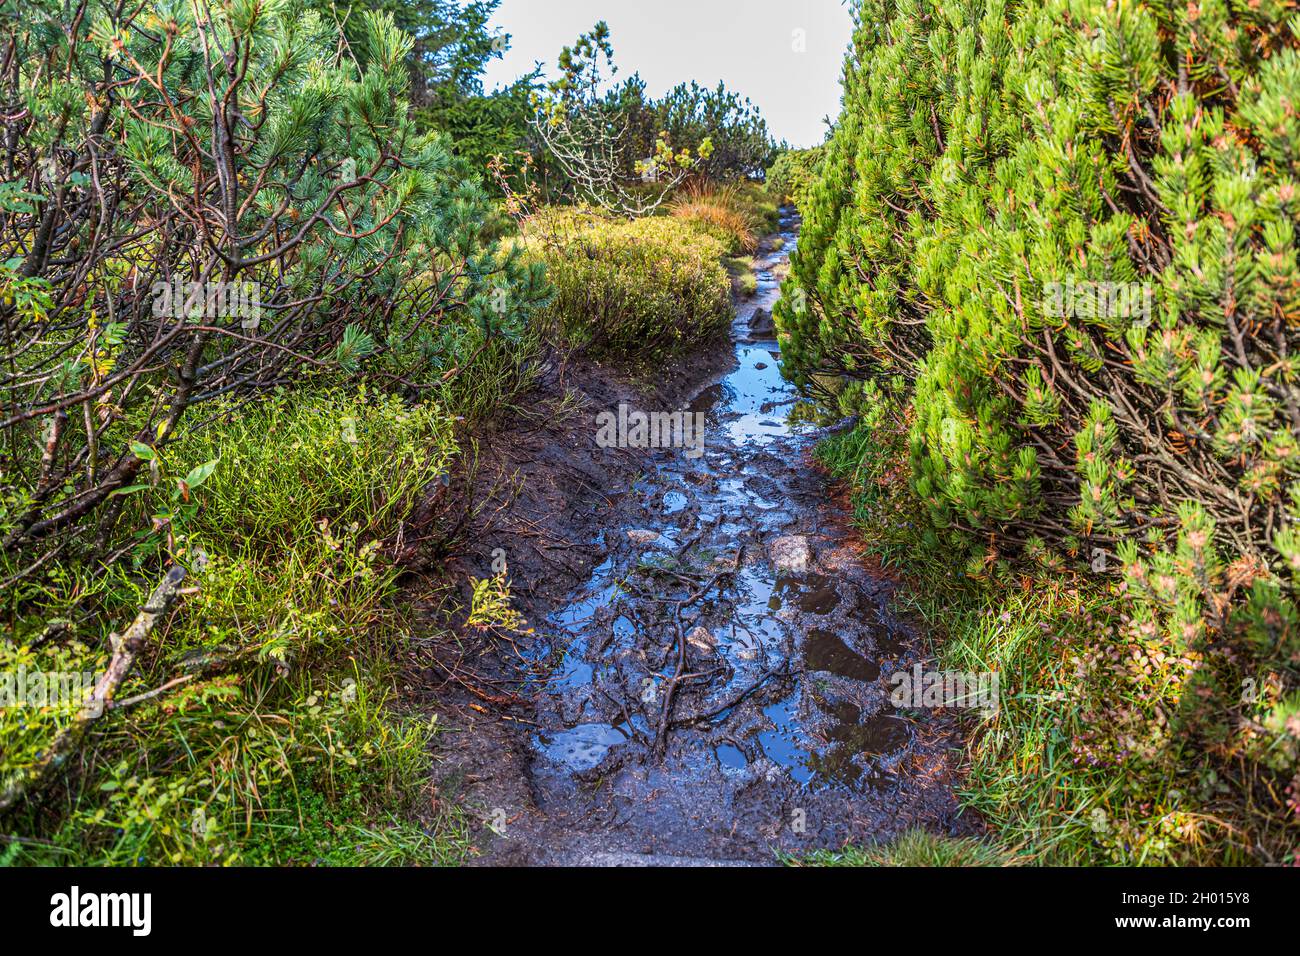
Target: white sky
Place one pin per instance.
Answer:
(748, 44)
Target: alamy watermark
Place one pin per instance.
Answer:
(939, 689)
(60, 689)
(73, 909)
(630, 428)
(1086, 299)
(209, 300)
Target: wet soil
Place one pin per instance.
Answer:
(707, 677)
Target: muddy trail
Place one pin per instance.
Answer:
(707, 681)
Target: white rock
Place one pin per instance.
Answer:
(641, 536)
(791, 553)
(702, 639)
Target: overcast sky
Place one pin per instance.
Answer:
(785, 55)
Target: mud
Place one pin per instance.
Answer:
(681, 700)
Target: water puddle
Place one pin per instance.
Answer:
(826, 651)
(582, 747)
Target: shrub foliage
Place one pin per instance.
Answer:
(1060, 235)
(792, 174)
(647, 288)
(243, 149)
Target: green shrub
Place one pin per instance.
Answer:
(348, 241)
(759, 203)
(791, 176)
(647, 288)
(279, 730)
(1072, 679)
(1059, 236)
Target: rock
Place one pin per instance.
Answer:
(701, 639)
(791, 553)
(761, 324)
(843, 425)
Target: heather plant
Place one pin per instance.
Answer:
(1142, 156)
(646, 289)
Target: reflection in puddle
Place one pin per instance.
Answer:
(812, 593)
(731, 757)
(754, 391)
(582, 747)
(877, 736)
(779, 744)
(826, 651)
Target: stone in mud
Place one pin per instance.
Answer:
(701, 639)
(642, 537)
(761, 324)
(791, 553)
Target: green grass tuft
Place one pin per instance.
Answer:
(915, 848)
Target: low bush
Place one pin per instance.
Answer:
(643, 289)
(1083, 763)
(353, 248)
(278, 740)
(1057, 239)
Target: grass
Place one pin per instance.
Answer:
(718, 212)
(741, 271)
(915, 848)
(724, 212)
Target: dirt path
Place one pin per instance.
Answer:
(708, 679)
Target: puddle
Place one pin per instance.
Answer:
(879, 735)
(580, 748)
(779, 743)
(811, 593)
(731, 757)
(674, 502)
(826, 651)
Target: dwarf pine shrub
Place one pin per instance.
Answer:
(792, 174)
(1060, 235)
(195, 205)
(238, 286)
